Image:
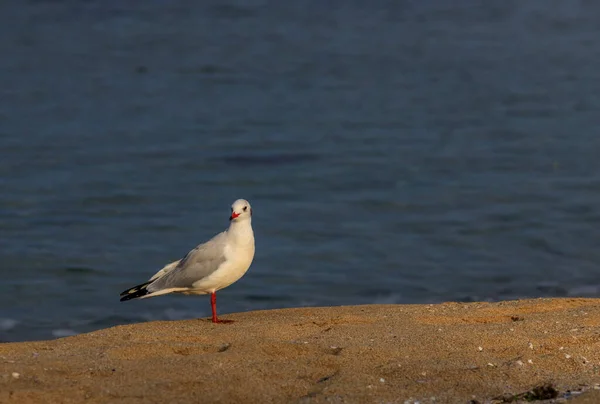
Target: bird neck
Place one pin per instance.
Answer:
(241, 232)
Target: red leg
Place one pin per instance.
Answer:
(213, 305)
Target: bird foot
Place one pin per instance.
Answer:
(218, 320)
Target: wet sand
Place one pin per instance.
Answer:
(444, 353)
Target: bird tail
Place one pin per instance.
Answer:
(135, 292)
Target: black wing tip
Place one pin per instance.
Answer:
(134, 292)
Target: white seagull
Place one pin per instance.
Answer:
(209, 267)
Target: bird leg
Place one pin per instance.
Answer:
(213, 305)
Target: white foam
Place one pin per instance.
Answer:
(63, 332)
(7, 324)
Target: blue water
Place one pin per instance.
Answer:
(393, 152)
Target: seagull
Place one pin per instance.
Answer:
(209, 267)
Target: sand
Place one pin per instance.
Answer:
(443, 353)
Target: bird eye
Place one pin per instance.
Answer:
(245, 208)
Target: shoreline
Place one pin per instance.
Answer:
(448, 352)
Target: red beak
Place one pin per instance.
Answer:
(233, 215)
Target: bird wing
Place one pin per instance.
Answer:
(196, 265)
(165, 269)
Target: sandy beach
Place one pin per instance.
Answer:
(443, 353)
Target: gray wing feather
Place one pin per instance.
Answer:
(196, 265)
(164, 270)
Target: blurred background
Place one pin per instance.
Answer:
(393, 152)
